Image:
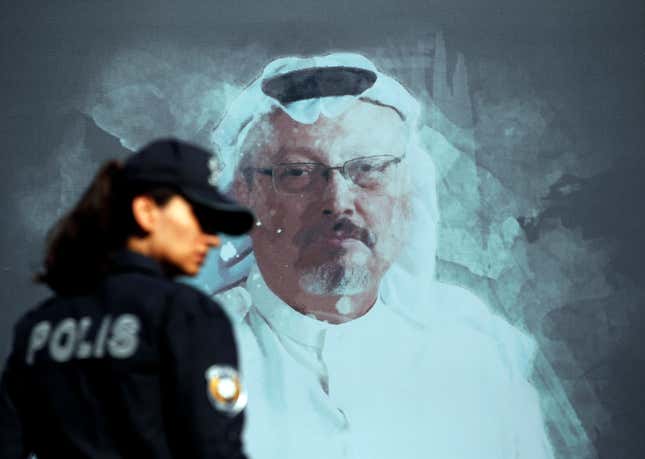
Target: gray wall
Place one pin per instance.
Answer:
(566, 76)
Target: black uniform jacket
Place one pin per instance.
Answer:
(121, 373)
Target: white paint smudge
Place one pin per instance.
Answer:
(227, 251)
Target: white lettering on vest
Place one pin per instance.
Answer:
(62, 341)
(101, 336)
(69, 338)
(83, 349)
(124, 339)
(37, 339)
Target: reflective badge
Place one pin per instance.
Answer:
(225, 389)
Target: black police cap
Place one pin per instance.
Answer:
(185, 167)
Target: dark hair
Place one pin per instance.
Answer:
(80, 245)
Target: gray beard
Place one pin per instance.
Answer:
(335, 279)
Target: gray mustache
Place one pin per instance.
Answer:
(345, 226)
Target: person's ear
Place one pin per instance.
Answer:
(242, 189)
(146, 212)
(244, 194)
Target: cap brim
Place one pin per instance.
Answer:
(218, 214)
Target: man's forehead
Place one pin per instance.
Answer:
(366, 127)
(360, 116)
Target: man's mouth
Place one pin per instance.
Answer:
(340, 241)
(345, 230)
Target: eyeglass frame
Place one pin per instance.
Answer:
(342, 169)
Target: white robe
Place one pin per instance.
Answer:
(451, 384)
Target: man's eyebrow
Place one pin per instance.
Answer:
(307, 154)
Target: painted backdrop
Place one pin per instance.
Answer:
(540, 199)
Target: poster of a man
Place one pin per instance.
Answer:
(450, 232)
(349, 344)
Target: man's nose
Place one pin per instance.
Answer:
(338, 196)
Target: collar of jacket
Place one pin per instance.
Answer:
(127, 260)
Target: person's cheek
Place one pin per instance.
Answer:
(187, 242)
(278, 223)
(373, 207)
(380, 219)
(262, 205)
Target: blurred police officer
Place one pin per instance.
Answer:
(123, 362)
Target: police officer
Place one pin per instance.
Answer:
(123, 362)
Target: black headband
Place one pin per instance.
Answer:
(313, 83)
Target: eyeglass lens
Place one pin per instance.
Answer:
(310, 177)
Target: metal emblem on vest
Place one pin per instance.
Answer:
(225, 390)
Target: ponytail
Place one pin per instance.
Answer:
(80, 245)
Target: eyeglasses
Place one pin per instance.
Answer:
(293, 178)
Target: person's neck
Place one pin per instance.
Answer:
(140, 245)
(143, 246)
(334, 309)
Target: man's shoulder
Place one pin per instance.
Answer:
(458, 309)
(458, 301)
(449, 304)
